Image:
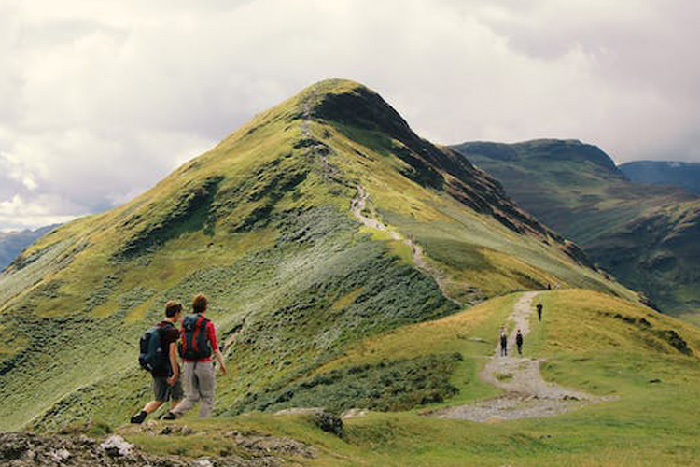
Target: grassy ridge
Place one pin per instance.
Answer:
(262, 224)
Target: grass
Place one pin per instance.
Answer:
(590, 341)
(262, 224)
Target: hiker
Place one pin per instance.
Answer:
(539, 311)
(196, 349)
(159, 357)
(504, 342)
(519, 340)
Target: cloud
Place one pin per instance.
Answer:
(16, 214)
(102, 99)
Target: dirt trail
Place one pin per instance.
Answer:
(358, 205)
(527, 394)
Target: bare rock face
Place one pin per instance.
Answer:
(265, 445)
(32, 450)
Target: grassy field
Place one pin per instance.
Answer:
(590, 340)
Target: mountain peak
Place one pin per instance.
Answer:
(334, 86)
(349, 102)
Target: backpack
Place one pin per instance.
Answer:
(195, 343)
(152, 357)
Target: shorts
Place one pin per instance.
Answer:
(164, 392)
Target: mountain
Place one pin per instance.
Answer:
(12, 243)
(646, 236)
(681, 174)
(323, 221)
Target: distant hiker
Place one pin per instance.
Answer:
(549, 286)
(504, 342)
(519, 341)
(196, 349)
(159, 357)
(539, 311)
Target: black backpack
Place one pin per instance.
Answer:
(195, 343)
(152, 357)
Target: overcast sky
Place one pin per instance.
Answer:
(101, 99)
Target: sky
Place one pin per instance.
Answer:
(100, 100)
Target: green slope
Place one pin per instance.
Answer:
(647, 362)
(263, 224)
(646, 236)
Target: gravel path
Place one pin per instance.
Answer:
(419, 258)
(527, 393)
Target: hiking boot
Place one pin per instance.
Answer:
(139, 417)
(168, 416)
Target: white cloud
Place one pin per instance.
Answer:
(102, 99)
(16, 214)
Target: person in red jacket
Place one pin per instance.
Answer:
(197, 347)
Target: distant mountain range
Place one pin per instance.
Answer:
(680, 174)
(647, 236)
(12, 243)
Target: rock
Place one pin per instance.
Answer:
(301, 411)
(115, 446)
(202, 463)
(183, 430)
(151, 424)
(263, 444)
(355, 413)
(59, 455)
(329, 423)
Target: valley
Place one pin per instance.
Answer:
(644, 235)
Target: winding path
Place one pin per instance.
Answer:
(527, 393)
(358, 205)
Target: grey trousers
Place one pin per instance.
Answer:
(200, 385)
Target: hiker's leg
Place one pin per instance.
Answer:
(206, 373)
(161, 394)
(176, 394)
(191, 390)
(152, 407)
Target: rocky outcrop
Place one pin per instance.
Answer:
(32, 450)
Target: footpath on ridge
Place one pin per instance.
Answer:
(527, 394)
(419, 259)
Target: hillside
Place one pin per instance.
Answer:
(322, 221)
(680, 174)
(641, 366)
(646, 236)
(12, 243)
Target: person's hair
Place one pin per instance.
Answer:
(199, 303)
(172, 309)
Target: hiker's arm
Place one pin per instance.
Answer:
(173, 364)
(211, 331)
(220, 359)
